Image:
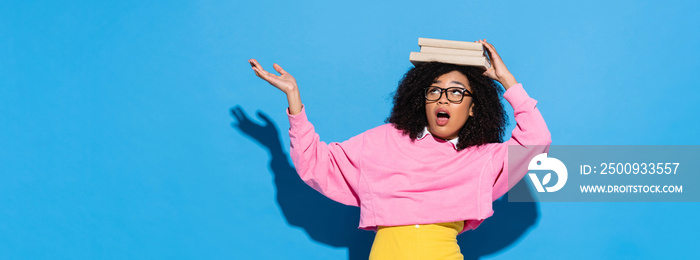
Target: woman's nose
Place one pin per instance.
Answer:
(443, 98)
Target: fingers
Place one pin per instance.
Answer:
(259, 71)
(489, 72)
(258, 68)
(279, 69)
(254, 63)
(262, 73)
(489, 47)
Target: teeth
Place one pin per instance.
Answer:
(442, 114)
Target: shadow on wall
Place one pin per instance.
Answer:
(335, 224)
(509, 223)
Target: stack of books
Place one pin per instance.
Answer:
(452, 52)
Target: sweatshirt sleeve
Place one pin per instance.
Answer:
(332, 169)
(529, 138)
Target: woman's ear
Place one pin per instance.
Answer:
(471, 109)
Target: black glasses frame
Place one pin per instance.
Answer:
(444, 90)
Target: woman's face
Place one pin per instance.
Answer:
(445, 117)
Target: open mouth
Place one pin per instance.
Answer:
(442, 117)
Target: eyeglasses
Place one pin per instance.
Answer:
(454, 94)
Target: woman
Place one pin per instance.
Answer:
(434, 170)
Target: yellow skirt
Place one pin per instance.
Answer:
(417, 242)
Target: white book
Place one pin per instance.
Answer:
(450, 44)
(420, 57)
(463, 52)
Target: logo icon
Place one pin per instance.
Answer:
(542, 162)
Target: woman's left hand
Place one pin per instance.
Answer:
(498, 70)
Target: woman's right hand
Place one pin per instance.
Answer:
(284, 82)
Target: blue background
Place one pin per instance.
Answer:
(117, 139)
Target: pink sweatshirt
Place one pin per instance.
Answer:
(397, 181)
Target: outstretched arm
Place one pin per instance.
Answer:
(284, 82)
(331, 169)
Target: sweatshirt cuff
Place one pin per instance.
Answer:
(296, 122)
(516, 95)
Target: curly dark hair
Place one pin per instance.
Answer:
(486, 126)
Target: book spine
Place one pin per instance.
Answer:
(418, 57)
(429, 49)
(449, 44)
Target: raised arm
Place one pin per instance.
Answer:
(332, 169)
(531, 128)
(284, 82)
(530, 136)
